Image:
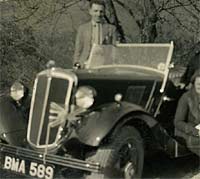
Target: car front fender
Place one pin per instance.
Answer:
(12, 122)
(93, 128)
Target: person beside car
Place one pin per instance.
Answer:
(193, 65)
(97, 31)
(187, 117)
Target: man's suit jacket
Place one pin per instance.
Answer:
(83, 43)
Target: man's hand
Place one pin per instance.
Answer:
(57, 112)
(75, 115)
(181, 85)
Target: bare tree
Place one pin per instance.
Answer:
(156, 21)
(148, 13)
(112, 18)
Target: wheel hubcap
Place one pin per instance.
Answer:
(127, 162)
(129, 171)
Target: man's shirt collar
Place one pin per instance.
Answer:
(97, 23)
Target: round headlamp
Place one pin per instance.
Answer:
(85, 96)
(17, 91)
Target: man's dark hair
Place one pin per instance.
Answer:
(99, 2)
(195, 75)
(193, 65)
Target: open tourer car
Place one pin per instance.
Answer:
(95, 122)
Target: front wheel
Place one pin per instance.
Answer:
(122, 157)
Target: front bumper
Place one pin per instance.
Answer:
(51, 159)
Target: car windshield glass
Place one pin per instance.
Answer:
(147, 56)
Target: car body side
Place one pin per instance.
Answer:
(141, 103)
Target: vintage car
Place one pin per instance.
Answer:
(96, 122)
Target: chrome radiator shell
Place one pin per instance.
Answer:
(52, 85)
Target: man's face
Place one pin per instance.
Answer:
(97, 12)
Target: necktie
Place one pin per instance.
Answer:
(97, 33)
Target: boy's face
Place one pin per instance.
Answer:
(97, 12)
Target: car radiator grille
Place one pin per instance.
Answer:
(48, 88)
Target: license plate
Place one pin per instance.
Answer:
(24, 167)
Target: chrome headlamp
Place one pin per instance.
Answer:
(17, 91)
(84, 96)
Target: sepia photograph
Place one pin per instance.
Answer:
(100, 89)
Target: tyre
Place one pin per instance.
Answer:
(122, 157)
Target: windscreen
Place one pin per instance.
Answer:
(147, 56)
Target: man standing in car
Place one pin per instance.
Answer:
(97, 31)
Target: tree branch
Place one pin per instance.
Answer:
(173, 7)
(60, 10)
(178, 20)
(194, 5)
(190, 12)
(125, 7)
